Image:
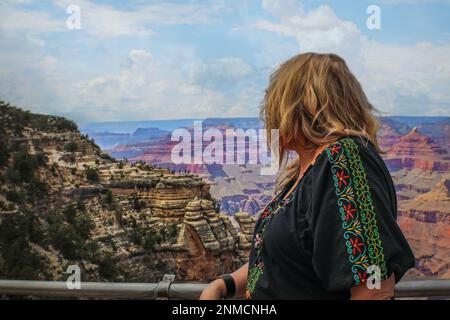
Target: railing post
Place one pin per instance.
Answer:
(163, 289)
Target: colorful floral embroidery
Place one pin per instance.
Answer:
(356, 208)
(257, 270)
(253, 276)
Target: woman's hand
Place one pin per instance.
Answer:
(216, 290)
(386, 291)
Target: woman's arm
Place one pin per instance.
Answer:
(386, 291)
(216, 290)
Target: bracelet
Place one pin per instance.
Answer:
(229, 285)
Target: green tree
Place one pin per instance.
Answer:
(173, 230)
(136, 203)
(71, 146)
(4, 150)
(108, 197)
(107, 267)
(92, 174)
(70, 213)
(15, 196)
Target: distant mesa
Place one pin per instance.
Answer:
(416, 150)
(425, 221)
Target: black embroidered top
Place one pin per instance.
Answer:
(336, 229)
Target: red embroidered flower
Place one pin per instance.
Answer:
(335, 149)
(265, 213)
(362, 276)
(258, 240)
(349, 211)
(356, 245)
(267, 210)
(341, 178)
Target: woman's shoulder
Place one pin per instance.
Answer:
(351, 144)
(352, 149)
(354, 155)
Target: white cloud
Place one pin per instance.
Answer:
(149, 89)
(413, 1)
(36, 82)
(29, 20)
(281, 8)
(101, 20)
(319, 30)
(398, 79)
(220, 73)
(400, 75)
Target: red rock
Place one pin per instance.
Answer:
(416, 150)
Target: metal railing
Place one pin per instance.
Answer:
(175, 290)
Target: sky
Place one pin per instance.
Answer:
(148, 60)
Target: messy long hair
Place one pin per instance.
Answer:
(313, 100)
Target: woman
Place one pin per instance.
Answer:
(330, 232)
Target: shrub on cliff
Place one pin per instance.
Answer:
(136, 235)
(172, 231)
(63, 124)
(65, 239)
(24, 166)
(36, 190)
(106, 156)
(4, 150)
(149, 241)
(70, 213)
(70, 231)
(118, 214)
(92, 174)
(84, 225)
(15, 196)
(71, 146)
(19, 261)
(108, 197)
(137, 204)
(120, 165)
(106, 266)
(19, 118)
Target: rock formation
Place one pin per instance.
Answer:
(63, 201)
(417, 155)
(425, 220)
(415, 150)
(420, 170)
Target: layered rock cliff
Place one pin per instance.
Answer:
(418, 159)
(416, 150)
(420, 169)
(425, 221)
(63, 202)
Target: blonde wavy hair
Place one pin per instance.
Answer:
(313, 100)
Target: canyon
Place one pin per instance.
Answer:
(123, 212)
(63, 201)
(416, 153)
